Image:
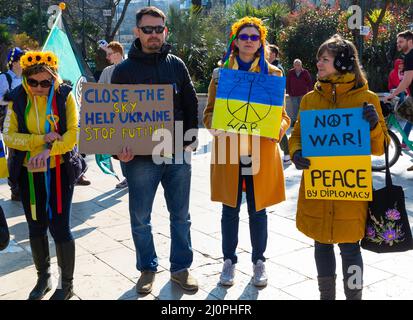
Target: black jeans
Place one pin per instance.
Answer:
(352, 261)
(59, 224)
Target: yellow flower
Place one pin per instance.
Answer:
(251, 20)
(38, 57)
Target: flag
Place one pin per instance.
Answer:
(74, 68)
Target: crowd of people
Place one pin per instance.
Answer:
(40, 131)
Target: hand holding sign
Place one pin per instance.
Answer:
(300, 162)
(126, 154)
(370, 114)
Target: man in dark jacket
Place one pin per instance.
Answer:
(298, 84)
(149, 62)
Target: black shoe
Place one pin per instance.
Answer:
(65, 253)
(41, 259)
(327, 287)
(15, 197)
(352, 293)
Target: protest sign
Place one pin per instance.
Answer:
(337, 142)
(249, 103)
(339, 178)
(114, 116)
(337, 132)
(4, 172)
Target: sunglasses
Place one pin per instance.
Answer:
(151, 29)
(245, 37)
(34, 83)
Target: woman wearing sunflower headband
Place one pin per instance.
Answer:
(265, 187)
(42, 125)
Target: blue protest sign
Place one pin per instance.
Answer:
(337, 132)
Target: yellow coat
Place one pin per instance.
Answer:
(335, 221)
(269, 187)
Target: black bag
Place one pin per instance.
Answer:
(4, 231)
(387, 227)
(75, 165)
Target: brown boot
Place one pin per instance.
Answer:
(185, 280)
(145, 282)
(83, 181)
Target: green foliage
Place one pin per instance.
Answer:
(4, 34)
(203, 46)
(309, 30)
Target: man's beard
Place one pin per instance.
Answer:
(154, 45)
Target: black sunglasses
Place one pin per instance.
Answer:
(34, 83)
(151, 29)
(245, 37)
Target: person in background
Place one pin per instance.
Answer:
(298, 84)
(274, 53)
(8, 81)
(114, 54)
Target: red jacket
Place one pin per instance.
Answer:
(394, 77)
(299, 86)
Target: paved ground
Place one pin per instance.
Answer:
(105, 265)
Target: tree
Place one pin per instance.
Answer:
(4, 43)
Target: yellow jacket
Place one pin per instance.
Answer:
(335, 221)
(269, 185)
(34, 141)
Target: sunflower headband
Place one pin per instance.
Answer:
(32, 58)
(250, 21)
(256, 22)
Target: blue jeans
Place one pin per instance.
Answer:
(257, 223)
(326, 261)
(143, 177)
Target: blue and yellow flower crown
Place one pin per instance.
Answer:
(31, 58)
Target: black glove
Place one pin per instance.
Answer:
(370, 114)
(299, 161)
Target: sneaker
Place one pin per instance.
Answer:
(145, 282)
(185, 280)
(122, 185)
(410, 168)
(287, 159)
(259, 279)
(227, 274)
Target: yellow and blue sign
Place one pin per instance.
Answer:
(4, 172)
(337, 142)
(249, 103)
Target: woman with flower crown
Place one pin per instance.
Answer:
(258, 169)
(42, 125)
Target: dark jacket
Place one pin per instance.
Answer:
(73, 164)
(162, 68)
(299, 86)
